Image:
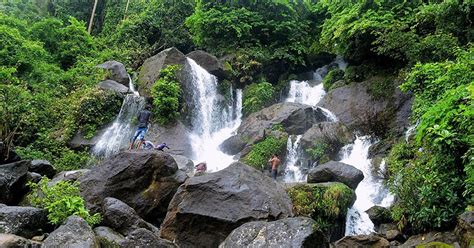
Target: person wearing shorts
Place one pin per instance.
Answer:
(142, 128)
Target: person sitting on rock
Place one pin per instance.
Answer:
(200, 168)
(275, 162)
(161, 147)
(142, 128)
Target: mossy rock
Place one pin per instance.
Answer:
(262, 151)
(435, 245)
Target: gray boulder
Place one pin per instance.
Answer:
(208, 62)
(118, 73)
(295, 118)
(70, 176)
(144, 180)
(13, 241)
(122, 217)
(113, 86)
(333, 133)
(206, 209)
(23, 221)
(379, 215)
(150, 70)
(291, 232)
(371, 241)
(185, 164)
(175, 136)
(357, 109)
(144, 238)
(447, 238)
(42, 167)
(74, 233)
(465, 228)
(107, 237)
(333, 171)
(33, 177)
(13, 178)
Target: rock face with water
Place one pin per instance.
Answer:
(208, 62)
(295, 118)
(145, 180)
(333, 171)
(118, 72)
(23, 221)
(13, 178)
(357, 109)
(291, 232)
(75, 232)
(150, 70)
(335, 134)
(206, 209)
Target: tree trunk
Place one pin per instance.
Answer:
(89, 29)
(126, 10)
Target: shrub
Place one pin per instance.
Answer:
(262, 151)
(166, 93)
(319, 152)
(61, 201)
(324, 204)
(332, 77)
(381, 87)
(257, 96)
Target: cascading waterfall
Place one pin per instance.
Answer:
(212, 121)
(117, 136)
(293, 172)
(370, 191)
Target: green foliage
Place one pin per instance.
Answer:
(324, 204)
(262, 151)
(166, 93)
(319, 152)
(61, 201)
(332, 77)
(381, 87)
(257, 96)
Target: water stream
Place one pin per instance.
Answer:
(213, 120)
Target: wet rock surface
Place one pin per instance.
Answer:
(290, 232)
(207, 208)
(144, 180)
(13, 179)
(23, 221)
(333, 171)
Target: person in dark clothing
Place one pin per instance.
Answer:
(142, 128)
(161, 147)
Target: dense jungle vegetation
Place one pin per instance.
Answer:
(48, 75)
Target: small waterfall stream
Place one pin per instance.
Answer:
(213, 121)
(370, 192)
(292, 171)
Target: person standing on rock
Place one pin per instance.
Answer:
(142, 128)
(275, 162)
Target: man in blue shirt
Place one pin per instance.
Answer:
(142, 128)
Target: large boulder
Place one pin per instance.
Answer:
(334, 171)
(175, 136)
(326, 202)
(295, 118)
(122, 217)
(113, 86)
(144, 180)
(118, 73)
(7, 155)
(206, 209)
(42, 167)
(465, 228)
(75, 232)
(13, 241)
(150, 70)
(208, 62)
(144, 238)
(355, 107)
(23, 221)
(69, 176)
(233, 145)
(371, 241)
(107, 237)
(334, 134)
(184, 163)
(432, 237)
(13, 178)
(291, 232)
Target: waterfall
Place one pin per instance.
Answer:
(292, 171)
(302, 92)
(117, 136)
(370, 190)
(213, 121)
(411, 130)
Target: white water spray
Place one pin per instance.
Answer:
(292, 172)
(370, 191)
(212, 122)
